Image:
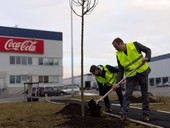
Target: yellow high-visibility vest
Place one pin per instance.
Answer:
(131, 60)
(110, 78)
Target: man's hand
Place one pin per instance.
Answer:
(114, 86)
(144, 60)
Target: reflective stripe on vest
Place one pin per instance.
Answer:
(110, 78)
(131, 60)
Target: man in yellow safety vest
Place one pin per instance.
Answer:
(106, 76)
(129, 56)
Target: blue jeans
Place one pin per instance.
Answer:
(130, 84)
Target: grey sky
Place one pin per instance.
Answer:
(145, 21)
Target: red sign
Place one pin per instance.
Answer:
(22, 45)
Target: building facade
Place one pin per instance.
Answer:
(160, 73)
(28, 55)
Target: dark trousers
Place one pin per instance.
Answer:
(118, 92)
(130, 84)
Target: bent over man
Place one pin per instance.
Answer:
(129, 56)
(106, 77)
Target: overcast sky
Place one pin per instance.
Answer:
(145, 21)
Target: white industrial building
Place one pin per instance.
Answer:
(28, 55)
(160, 73)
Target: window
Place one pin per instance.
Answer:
(18, 60)
(45, 61)
(56, 79)
(12, 79)
(49, 79)
(45, 79)
(12, 59)
(151, 81)
(41, 79)
(50, 61)
(24, 60)
(165, 79)
(24, 78)
(29, 60)
(40, 61)
(158, 80)
(18, 79)
(55, 61)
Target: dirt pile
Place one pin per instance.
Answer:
(75, 120)
(73, 110)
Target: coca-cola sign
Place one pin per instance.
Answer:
(23, 45)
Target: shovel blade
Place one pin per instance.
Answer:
(94, 108)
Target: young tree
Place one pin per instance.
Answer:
(87, 7)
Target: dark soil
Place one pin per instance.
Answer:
(72, 113)
(75, 120)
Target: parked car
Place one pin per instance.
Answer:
(43, 91)
(71, 89)
(50, 91)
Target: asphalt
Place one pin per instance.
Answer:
(157, 119)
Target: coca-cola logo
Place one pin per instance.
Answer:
(26, 45)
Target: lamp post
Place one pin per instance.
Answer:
(72, 66)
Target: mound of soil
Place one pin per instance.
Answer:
(73, 109)
(75, 120)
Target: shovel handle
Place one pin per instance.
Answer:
(119, 83)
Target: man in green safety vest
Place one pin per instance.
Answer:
(129, 56)
(106, 76)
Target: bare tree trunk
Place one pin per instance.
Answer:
(82, 61)
(87, 7)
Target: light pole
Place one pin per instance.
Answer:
(72, 74)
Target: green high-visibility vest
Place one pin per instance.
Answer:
(110, 78)
(131, 60)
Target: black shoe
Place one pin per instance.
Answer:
(108, 110)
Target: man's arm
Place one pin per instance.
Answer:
(112, 69)
(142, 48)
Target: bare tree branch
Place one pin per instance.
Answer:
(87, 6)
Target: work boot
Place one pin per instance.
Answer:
(108, 110)
(146, 118)
(123, 118)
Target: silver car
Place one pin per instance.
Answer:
(71, 89)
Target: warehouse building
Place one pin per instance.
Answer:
(160, 74)
(28, 55)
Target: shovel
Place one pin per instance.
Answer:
(94, 105)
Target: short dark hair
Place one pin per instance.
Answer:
(93, 68)
(117, 40)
